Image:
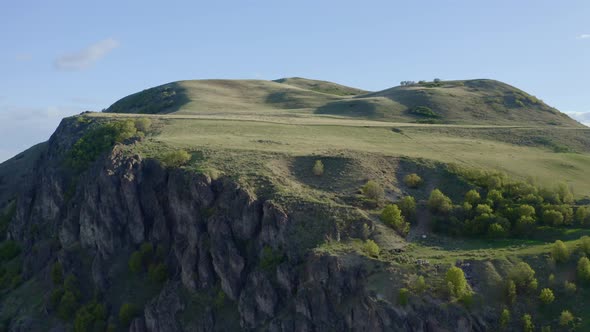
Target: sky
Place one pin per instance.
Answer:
(59, 58)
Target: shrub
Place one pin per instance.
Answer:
(136, 262)
(373, 190)
(496, 230)
(560, 252)
(504, 319)
(127, 312)
(511, 291)
(527, 323)
(553, 218)
(176, 158)
(71, 285)
(413, 180)
(318, 168)
(67, 305)
(583, 215)
(456, 277)
(420, 285)
(584, 269)
(371, 248)
(408, 207)
(566, 318)
(472, 197)
(57, 276)
(392, 216)
(569, 287)
(9, 250)
(523, 276)
(143, 124)
(269, 259)
(403, 296)
(158, 272)
(439, 203)
(546, 296)
(483, 209)
(91, 317)
(424, 111)
(585, 244)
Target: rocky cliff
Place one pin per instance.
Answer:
(213, 235)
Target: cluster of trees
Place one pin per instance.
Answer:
(153, 261)
(398, 215)
(506, 208)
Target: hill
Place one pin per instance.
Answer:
(483, 102)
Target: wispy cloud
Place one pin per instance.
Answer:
(87, 57)
(584, 36)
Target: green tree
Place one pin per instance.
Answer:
(526, 210)
(57, 274)
(527, 323)
(510, 291)
(371, 248)
(413, 180)
(158, 272)
(553, 218)
(373, 190)
(127, 312)
(560, 252)
(584, 269)
(420, 285)
(546, 296)
(504, 319)
(318, 168)
(439, 202)
(565, 194)
(570, 287)
(585, 244)
(472, 197)
(583, 215)
(143, 124)
(495, 196)
(403, 296)
(136, 262)
(90, 317)
(483, 209)
(67, 305)
(523, 276)
(456, 277)
(392, 216)
(566, 318)
(175, 158)
(408, 207)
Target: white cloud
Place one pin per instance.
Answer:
(584, 36)
(26, 127)
(87, 57)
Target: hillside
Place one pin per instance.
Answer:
(477, 102)
(223, 205)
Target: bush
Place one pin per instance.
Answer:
(176, 158)
(127, 312)
(392, 216)
(408, 207)
(158, 272)
(91, 317)
(584, 269)
(403, 296)
(318, 168)
(270, 259)
(583, 215)
(136, 262)
(9, 250)
(546, 296)
(560, 252)
(373, 190)
(510, 291)
(439, 203)
(143, 124)
(419, 285)
(585, 244)
(527, 323)
(57, 276)
(523, 276)
(553, 218)
(456, 277)
(570, 287)
(67, 305)
(371, 248)
(504, 319)
(413, 180)
(472, 197)
(566, 318)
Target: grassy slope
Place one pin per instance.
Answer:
(321, 86)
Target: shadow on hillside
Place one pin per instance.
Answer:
(163, 99)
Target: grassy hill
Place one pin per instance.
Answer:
(478, 102)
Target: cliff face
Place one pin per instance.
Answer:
(215, 234)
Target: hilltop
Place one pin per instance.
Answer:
(475, 102)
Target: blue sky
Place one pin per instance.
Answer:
(59, 58)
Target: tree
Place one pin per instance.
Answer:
(420, 285)
(371, 248)
(67, 305)
(546, 296)
(176, 158)
(392, 216)
(565, 194)
(136, 262)
(584, 269)
(553, 218)
(143, 124)
(318, 168)
(585, 244)
(408, 207)
(527, 323)
(413, 180)
(504, 319)
(566, 318)
(560, 252)
(437, 80)
(127, 312)
(439, 202)
(511, 291)
(496, 230)
(526, 210)
(483, 209)
(583, 215)
(495, 196)
(456, 277)
(570, 287)
(373, 190)
(402, 297)
(523, 276)
(472, 197)
(57, 274)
